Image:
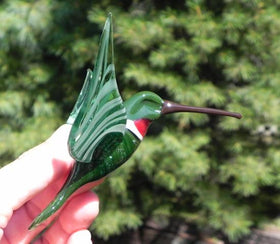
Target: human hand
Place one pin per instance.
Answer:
(29, 183)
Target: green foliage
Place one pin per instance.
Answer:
(218, 173)
(114, 222)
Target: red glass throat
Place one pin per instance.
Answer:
(142, 125)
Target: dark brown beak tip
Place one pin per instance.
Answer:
(239, 116)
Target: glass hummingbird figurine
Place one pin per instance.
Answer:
(105, 129)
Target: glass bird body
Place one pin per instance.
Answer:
(105, 129)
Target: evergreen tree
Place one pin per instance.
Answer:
(220, 174)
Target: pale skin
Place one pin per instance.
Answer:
(29, 183)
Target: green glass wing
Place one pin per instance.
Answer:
(99, 111)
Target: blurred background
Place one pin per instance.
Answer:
(195, 178)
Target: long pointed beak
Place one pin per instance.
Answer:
(171, 107)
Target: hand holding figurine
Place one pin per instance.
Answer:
(29, 183)
(105, 133)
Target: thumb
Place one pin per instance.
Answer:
(81, 236)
